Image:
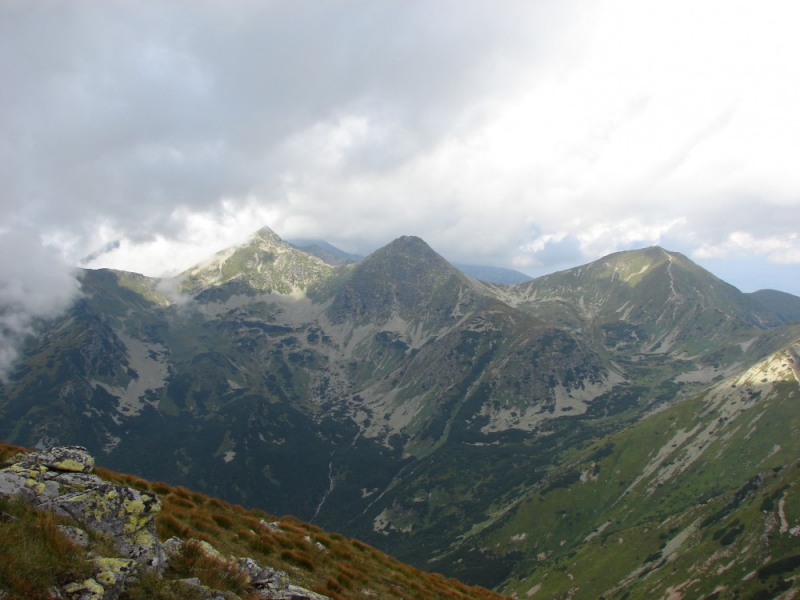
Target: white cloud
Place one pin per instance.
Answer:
(35, 284)
(202, 234)
(534, 134)
(779, 250)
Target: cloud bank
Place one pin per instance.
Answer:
(536, 135)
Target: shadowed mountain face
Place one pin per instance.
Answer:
(785, 306)
(325, 251)
(400, 401)
(406, 279)
(493, 274)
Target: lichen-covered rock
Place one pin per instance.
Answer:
(73, 459)
(84, 590)
(268, 584)
(173, 546)
(295, 592)
(209, 550)
(290, 592)
(15, 482)
(60, 480)
(126, 514)
(259, 577)
(113, 574)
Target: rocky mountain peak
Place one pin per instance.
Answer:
(409, 243)
(264, 263)
(266, 235)
(406, 277)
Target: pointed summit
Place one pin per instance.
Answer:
(406, 277)
(266, 235)
(264, 263)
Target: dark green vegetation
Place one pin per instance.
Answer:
(480, 430)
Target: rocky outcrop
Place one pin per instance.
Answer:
(264, 583)
(61, 480)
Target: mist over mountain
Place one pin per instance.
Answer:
(507, 435)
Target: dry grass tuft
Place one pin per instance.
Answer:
(299, 558)
(35, 554)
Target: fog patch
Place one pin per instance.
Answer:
(35, 284)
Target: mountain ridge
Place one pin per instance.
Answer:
(265, 262)
(414, 401)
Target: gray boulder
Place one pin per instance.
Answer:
(60, 480)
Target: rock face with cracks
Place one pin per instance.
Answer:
(61, 480)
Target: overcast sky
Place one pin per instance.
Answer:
(536, 135)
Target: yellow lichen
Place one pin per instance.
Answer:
(134, 506)
(111, 569)
(92, 586)
(21, 471)
(71, 464)
(36, 485)
(106, 578)
(144, 538)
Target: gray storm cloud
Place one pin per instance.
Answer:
(119, 112)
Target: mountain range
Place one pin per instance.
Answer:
(336, 257)
(622, 429)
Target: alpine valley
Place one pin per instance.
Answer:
(624, 429)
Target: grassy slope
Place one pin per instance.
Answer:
(699, 497)
(344, 569)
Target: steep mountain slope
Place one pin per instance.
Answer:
(662, 293)
(657, 311)
(785, 306)
(395, 399)
(325, 251)
(265, 263)
(699, 498)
